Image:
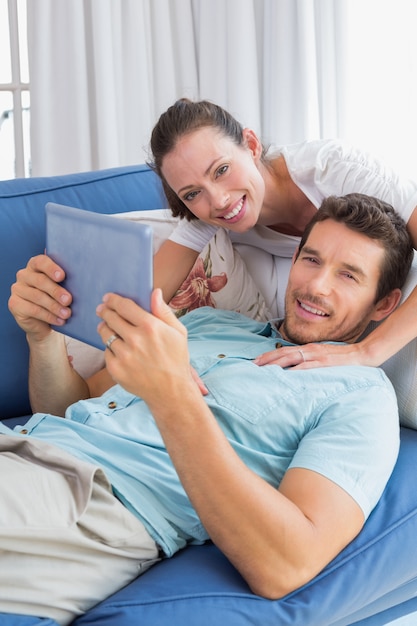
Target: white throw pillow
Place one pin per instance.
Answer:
(86, 359)
(401, 368)
(219, 278)
(161, 221)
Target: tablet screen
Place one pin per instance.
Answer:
(99, 254)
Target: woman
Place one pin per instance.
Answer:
(217, 174)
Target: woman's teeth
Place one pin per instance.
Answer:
(235, 211)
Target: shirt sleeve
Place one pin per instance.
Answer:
(355, 443)
(195, 234)
(330, 167)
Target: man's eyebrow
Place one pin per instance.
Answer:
(310, 250)
(206, 173)
(354, 269)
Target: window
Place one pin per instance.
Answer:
(381, 80)
(14, 91)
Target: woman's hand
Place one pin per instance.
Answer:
(318, 355)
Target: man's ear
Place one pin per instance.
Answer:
(253, 143)
(384, 307)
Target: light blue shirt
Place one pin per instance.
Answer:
(339, 421)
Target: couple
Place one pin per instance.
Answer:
(188, 437)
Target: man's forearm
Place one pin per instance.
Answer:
(53, 383)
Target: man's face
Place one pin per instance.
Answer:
(332, 285)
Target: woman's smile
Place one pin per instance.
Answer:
(236, 213)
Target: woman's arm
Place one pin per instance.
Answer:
(172, 264)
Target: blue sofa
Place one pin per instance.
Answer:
(372, 582)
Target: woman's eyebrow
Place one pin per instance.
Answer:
(206, 173)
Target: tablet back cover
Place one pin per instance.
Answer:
(99, 254)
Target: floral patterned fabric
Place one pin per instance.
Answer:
(220, 279)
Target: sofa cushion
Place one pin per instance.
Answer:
(401, 368)
(219, 278)
(22, 235)
(25, 620)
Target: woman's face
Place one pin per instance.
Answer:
(218, 181)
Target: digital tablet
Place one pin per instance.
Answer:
(99, 254)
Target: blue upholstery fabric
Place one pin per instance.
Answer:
(373, 581)
(22, 235)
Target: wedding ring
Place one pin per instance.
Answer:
(110, 341)
(302, 355)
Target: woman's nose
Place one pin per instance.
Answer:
(219, 198)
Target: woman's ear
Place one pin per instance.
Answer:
(253, 143)
(386, 305)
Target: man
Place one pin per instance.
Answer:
(280, 468)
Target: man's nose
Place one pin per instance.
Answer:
(321, 283)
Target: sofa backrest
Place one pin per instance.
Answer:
(22, 235)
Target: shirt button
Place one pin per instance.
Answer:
(278, 345)
(221, 356)
(112, 404)
(24, 431)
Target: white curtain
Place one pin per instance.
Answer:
(303, 71)
(102, 71)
